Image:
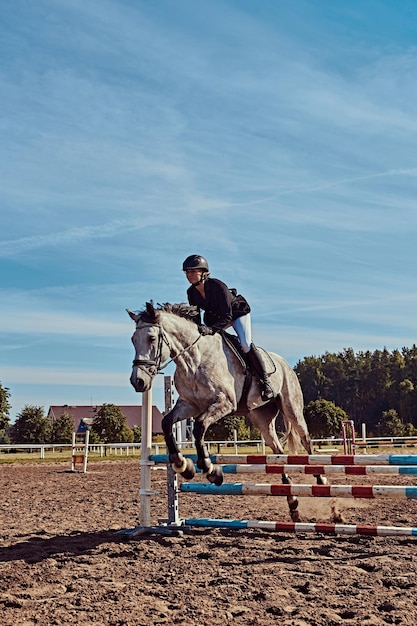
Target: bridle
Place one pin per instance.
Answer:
(154, 366)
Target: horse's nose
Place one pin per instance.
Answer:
(138, 383)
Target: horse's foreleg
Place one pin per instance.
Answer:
(180, 464)
(213, 472)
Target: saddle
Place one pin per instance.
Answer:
(234, 345)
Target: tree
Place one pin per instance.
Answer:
(62, 429)
(127, 434)
(410, 430)
(405, 388)
(4, 407)
(324, 418)
(390, 424)
(110, 425)
(137, 434)
(31, 426)
(223, 429)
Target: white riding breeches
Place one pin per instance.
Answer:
(243, 328)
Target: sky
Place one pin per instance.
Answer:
(275, 138)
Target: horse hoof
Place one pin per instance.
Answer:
(180, 466)
(215, 476)
(189, 472)
(295, 516)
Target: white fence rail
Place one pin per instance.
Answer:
(132, 449)
(102, 448)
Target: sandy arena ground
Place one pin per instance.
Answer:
(61, 561)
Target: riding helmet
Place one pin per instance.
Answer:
(195, 262)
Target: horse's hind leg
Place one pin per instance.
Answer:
(264, 419)
(320, 480)
(296, 428)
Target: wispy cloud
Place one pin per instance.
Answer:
(36, 317)
(347, 181)
(14, 248)
(62, 376)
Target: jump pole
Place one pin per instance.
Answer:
(313, 460)
(315, 491)
(174, 525)
(263, 468)
(304, 527)
(174, 489)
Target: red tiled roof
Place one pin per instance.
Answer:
(133, 415)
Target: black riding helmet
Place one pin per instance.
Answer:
(195, 262)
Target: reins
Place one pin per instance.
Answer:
(161, 367)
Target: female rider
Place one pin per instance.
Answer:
(224, 308)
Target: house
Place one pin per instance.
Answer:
(133, 415)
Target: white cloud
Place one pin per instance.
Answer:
(51, 376)
(34, 323)
(295, 343)
(73, 236)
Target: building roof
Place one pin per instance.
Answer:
(133, 414)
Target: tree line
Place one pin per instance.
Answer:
(376, 388)
(33, 426)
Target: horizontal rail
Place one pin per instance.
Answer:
(302, 459)
(349, 470)
(303, 527)
(317, 491)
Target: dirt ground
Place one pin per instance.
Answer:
(62, 562)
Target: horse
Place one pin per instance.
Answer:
(210, 382)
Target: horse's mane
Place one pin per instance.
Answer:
(182, 309)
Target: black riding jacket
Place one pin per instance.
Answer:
(221, 306)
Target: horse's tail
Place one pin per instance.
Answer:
(291, 437)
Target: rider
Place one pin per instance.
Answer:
(223, 308)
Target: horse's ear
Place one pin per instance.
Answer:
(151, 310)
(133, 315)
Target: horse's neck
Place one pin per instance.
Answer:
(182, 332)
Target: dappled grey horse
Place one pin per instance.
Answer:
(210, 380)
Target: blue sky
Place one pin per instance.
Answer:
(277, 139)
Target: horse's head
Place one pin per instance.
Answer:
(151, 347)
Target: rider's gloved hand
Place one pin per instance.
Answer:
(205, 330)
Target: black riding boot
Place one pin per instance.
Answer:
(257, 366)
